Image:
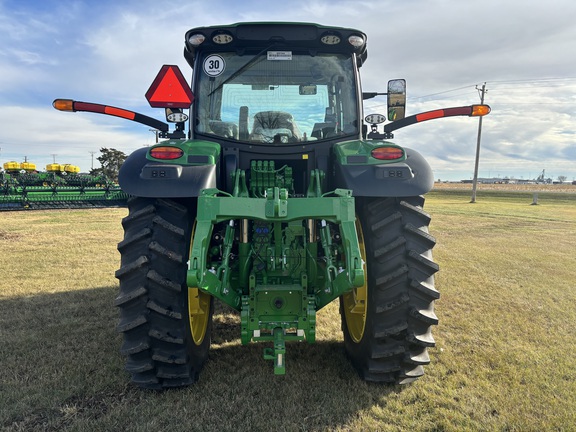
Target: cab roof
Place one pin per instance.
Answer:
(242, 37)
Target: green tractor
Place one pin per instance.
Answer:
(275, 197)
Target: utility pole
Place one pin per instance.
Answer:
(53, 157)
(156, 133)
(92, 163)
(477, 162)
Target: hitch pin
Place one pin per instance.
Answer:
(277, 353)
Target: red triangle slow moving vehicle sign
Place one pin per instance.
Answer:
(169, 89)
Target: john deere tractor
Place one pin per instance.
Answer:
(273, 195)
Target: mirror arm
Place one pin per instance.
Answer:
(370, 95)
(380, 136)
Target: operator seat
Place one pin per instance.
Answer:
(275, 126)
(224, 129)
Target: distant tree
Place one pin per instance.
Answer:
(562, 179)
(111, 160)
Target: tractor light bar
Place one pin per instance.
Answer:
(166, 152)
(470, 111)
(473, 110)
(387, 153)
(73, 106)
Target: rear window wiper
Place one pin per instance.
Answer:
(243, 68)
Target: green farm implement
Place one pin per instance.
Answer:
(22, 187)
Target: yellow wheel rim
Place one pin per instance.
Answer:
(198, 310)
(198, 313)
(356, 301)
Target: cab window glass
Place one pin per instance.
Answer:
(276, 97)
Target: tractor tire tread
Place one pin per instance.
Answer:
(401, 293)
(158, 345)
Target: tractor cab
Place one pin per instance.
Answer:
(262, 84)
(285, 84)
(287, 89)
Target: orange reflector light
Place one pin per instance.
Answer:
(63, 104)
(119, 112)
(166, 152)
(480, 110)
(387, 153)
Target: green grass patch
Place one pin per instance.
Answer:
(503, 361)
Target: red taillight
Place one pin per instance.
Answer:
(387, 153)
(166, 152)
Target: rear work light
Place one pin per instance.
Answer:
(222, 38)
(196, 39)
(356, 41)
(387, 153)
(330, 39)
(166, 153)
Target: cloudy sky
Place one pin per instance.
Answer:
(109, 51)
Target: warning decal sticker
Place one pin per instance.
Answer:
(279, 55)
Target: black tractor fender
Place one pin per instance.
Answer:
(144, 178)
(413, 176)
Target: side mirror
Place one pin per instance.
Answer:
(396, 99)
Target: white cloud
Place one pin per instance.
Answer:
(111, 52)
(69, 136)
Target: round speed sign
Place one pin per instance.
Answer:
(214, 65)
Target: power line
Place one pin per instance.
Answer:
(556, 83)
(442, 92)
(528, 80)
(415, 99)
(533, 103)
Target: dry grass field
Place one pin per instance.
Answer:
(527, 188)
(504, 359)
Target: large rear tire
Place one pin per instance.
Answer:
(386, 323)
(166, 326)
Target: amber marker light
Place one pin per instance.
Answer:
(166, 153)
(480, 110)
(387, 153)
(63, 104)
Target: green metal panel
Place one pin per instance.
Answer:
(196, 152)
(358, 152)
